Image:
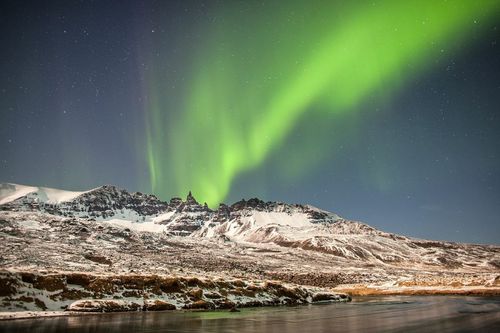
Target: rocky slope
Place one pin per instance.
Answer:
(111, 231)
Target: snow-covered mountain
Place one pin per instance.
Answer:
(106, 249)
(254, 221)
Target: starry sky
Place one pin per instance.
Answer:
(381, 111)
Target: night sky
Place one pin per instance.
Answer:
(386, 112)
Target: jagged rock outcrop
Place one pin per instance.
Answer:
(103, 202)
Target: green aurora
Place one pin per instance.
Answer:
(263, 67)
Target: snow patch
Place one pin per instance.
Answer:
(281, 218)
(11, 192)
(31, 224)
(137, 226)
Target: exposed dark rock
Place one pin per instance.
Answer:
(8, 286)
(98, 259)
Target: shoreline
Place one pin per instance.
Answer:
(352, 291)
(360, 290)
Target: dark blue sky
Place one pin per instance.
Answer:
(424, 162)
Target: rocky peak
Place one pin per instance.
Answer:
(108, 200)
(222, 214)
(190, 205)
(190, 200)
(260, 205)
(109, 188)
(224, 208)
(175, 201)
(253, 203)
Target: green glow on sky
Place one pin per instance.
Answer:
(262, 68)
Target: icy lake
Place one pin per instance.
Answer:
(363, 314)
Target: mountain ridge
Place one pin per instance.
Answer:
(108, 198)
(249, 221)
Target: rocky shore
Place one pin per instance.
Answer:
(84, 292)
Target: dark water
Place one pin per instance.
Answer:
(364, 314)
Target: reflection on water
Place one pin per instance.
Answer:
(364, 314)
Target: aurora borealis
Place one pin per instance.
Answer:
(383, 111)
(261, 71)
